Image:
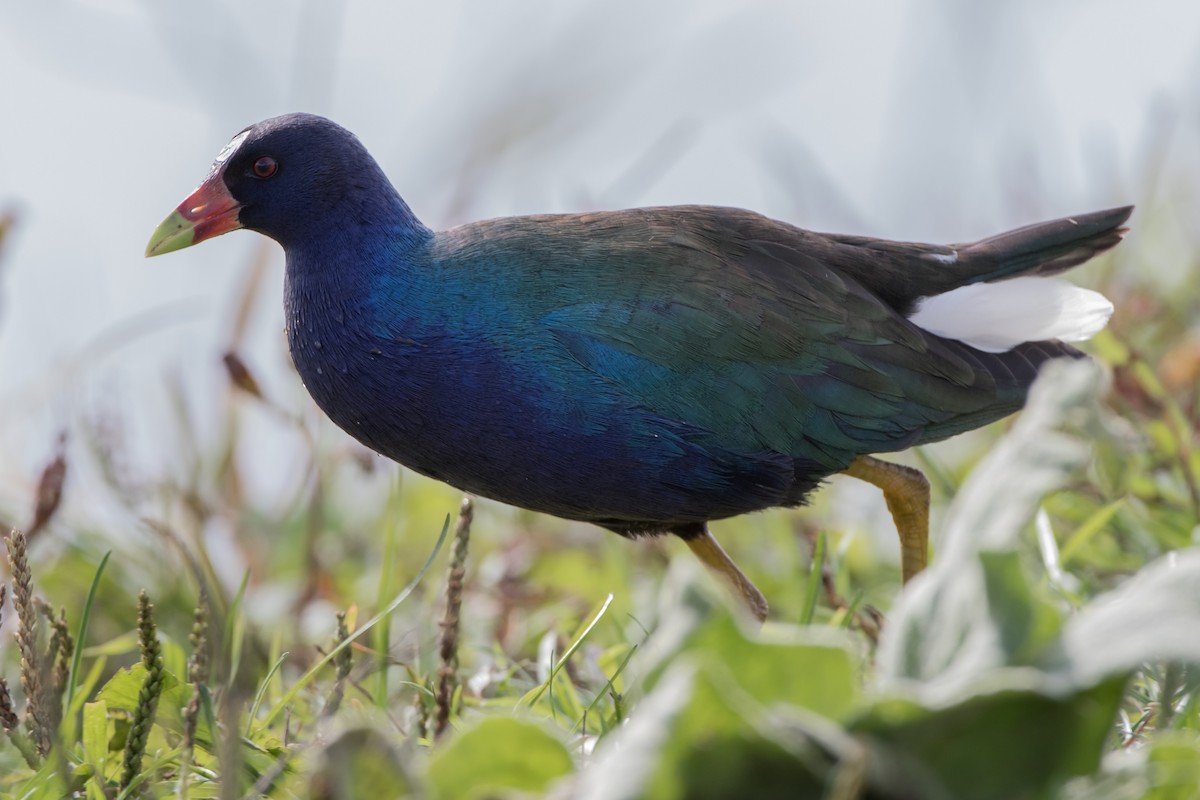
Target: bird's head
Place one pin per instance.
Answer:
(281, 177)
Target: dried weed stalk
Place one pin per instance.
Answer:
(50, 489)
(448, 673)
(342, 661)
(198, 665)
(36, 716)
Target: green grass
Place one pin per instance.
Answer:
(1056, 659)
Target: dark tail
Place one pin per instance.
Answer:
(1044, 248)
(902, 272)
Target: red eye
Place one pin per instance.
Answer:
(265, 167)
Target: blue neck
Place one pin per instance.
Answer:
(366, 221)
(331, 299)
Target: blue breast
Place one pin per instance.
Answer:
(439, 367)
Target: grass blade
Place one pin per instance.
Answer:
(81, 630)
(1088, 529)
(262, 691)
(290, 694)
(536, 694)
(608, 688)
(814, 581)
(379, 640)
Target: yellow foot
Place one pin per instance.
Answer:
(712, 554)
(906, 491)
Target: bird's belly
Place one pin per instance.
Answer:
(540, 437)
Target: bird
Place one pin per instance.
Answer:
(647, 370)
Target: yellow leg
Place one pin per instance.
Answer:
(712, 554)
(906, 491)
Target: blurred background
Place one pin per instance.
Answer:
(918, 120)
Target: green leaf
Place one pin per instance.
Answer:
(1166, 768)
(692, 737)
(360, 764)
(1007, 744)
(720, 750)
(1174, 767)
(121, 693)
(807, 668)
(1154, 615)
(969, 615)
(1027, 623)
(730, 711)
(122, 689)
(95, 738)
(499, 754)
(45, 785)
(83, 689)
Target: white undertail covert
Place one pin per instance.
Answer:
(996, 317)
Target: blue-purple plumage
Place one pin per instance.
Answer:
(647, 369)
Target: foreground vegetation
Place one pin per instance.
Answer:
(373, 636)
